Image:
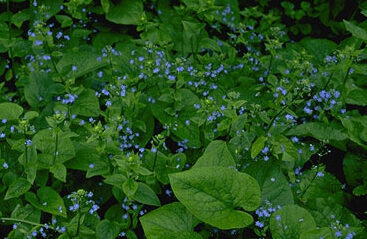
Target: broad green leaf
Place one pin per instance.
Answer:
(40, 89)
(323, 232)
(326, 186)
(257, 146)
(116, 180)
(355, 169)
(355, 30)
(27, 212)
(320, 48)
(290, 222)
(356, 126)
(130, 187)
(145, 195)
(59, 171)
(45, 142)
(357, 97)
(325, 211)
(216, 154)
(17, 188)
(20, 17)
(172, 221)
(107, 230)
(85, 61)
(47, 200)
(320, 131)
(86, 104)
(213, 195)
(276, 189)
(10, 111)
(85, 154)
(127, 12)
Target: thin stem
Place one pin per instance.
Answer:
(78, 226)
(24, 221)
(346, 76)
(52, 59)
(9, 37)
(56, 146)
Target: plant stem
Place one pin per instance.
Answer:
(9, 37)
(24, 221)
(56, 146)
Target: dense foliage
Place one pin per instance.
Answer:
(183, 119)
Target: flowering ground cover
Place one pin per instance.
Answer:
(190, 119)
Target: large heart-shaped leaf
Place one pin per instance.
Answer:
(214, 194)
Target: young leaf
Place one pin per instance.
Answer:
(212, 194)
(257, 146)
(17, 188)
(216, 154)
(172, 221)
(47, 200)
(59, 171)
(130, 187)
(144, 194)
(355, 30)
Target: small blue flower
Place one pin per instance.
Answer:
(259, 224)
(5, 165)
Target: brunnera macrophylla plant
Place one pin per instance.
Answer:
(195, 119)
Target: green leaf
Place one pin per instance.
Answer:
(290, 221)
(357, 96)
(107, 230)
(59, 171)
(86, 104)
(130, 187)
(64, 20)
(216, 154)
(212, 194)
(45, 142)
(20, 17)
(40, 89)
(47, 200)
(172, 221)
(320, 48)
(276, 189)
(355, 30)
(320, 131)
(323, 232)
(127, 12)
(85, 61)
(17, 188)
(105, 5)
(257, 146)
(10, 111)
(355, 169)
(145, 195)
